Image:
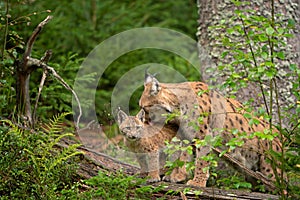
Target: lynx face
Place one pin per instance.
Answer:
(148, 142)
(131, 126)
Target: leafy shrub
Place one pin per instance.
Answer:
(30, 164)
(119, 186)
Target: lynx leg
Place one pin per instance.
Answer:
(200, 176)
(153, 167)
(162, 162)
(179, 174)
(141, 158)
(266, 169)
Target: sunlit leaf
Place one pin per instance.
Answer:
(270, 31)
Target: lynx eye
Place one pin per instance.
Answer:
(126, 129)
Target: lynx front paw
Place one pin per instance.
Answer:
(177, 175)
(177, 178)
(153, 179)
(196, 183)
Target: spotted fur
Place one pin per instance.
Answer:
(193, 101)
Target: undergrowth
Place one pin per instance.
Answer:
(31, 164)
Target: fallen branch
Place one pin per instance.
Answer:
(211, 193)
(257, 175)
(94, 161)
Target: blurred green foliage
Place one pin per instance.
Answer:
(76, 28)
(79, 26)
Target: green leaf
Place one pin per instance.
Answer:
(236, 2)
(269, 64)
(265, 48)
(230, 30)
(235, 131)
(224, 54)
(237, 12)
(264, 55)
(199, 192)
(222, 153)
(235, 75)
(260, 69)
(288, 35)
(293, 67)
(270, 73)
(262, 38)
(281, 55)
(270, 30)
(254, 121)
(248, 115)
(280, 30)
(291, 23)
(189, 150)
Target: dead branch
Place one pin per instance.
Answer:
(94, 161)
(44, 59)
(31, 41)
(23, 75)
(257, 175)
(211, 192)
(36, 62)
(24, 69)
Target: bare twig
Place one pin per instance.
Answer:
(33, 61)
(44, 76)
(44, 59)
(255, 64)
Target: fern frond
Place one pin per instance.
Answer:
(65, 155)
(55, 124)
(33, 157)
(14, 128)
(57, 139)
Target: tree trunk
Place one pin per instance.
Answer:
(23, 97)
(24, 67)
(211, 12)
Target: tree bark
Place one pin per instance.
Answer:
(23, 98)
(211, 12)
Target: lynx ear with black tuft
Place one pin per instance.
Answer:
(148, 77)
(155, 86)
(141, 115)
(121, 116)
